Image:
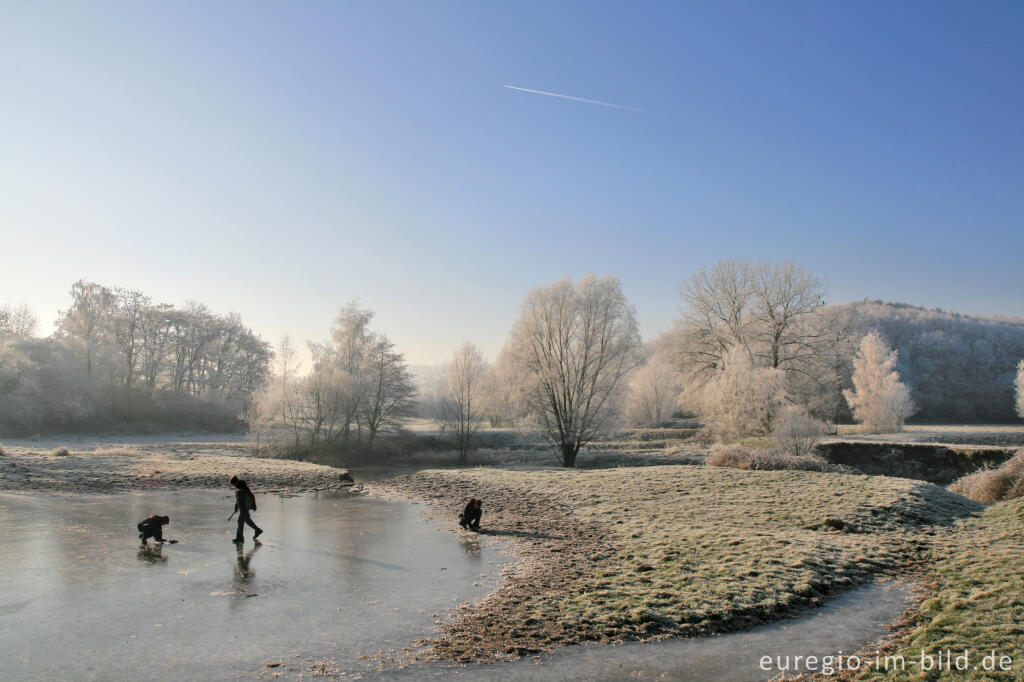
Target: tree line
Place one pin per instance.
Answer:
(755, 351)
(116, 358)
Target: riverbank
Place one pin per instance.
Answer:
(86, 466)
(644, 553)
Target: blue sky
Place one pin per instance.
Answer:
(280, 159)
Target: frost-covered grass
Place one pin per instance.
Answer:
(704, 549)
(939, 434)
(978, 604)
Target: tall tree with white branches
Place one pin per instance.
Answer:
(573, 345)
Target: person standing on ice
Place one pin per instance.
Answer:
(245, 502)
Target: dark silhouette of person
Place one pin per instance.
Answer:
(470, 517)
(153, 527)
(245, 502)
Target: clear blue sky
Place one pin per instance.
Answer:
(279, 159)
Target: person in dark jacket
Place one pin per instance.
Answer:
(153, 527)
(245, 502)
(470, 517)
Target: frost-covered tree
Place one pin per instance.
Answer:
(879, 400)
(775, 312)
(358, 387)
(1019, 387)
(653, 390)
(465, 390)
(86, 325)
(16, 322)
(572, 348)
(740, 400)
(389, 391)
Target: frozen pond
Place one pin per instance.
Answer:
(336, 577)
(337, 580)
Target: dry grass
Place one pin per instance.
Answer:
(994, 484)
(737, 456)
(690, 550)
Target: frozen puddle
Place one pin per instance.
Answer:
(337, 577)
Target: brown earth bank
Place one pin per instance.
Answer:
(610, 555)
(933, 462)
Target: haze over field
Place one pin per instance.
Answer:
(280, 160)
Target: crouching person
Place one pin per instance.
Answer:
(470, 517)
(153, 527)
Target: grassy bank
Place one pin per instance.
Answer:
(678, 550)
(978, 603)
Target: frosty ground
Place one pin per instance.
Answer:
(645, 552)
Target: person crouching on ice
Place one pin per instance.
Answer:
(245, 502)
(470, 517)
(153, 527)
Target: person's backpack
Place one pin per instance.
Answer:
(252, 500)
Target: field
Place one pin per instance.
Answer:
(677, 550)
(1001, 435)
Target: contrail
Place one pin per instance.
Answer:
(578, 99)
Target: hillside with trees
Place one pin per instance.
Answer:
(959, 368)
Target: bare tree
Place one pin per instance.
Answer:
(16, 322)
(465, 389)
(716, 315)
(389, 388)
(573, 345)
(880, 401)
(764, 308)
(773, 311)
(128, 327)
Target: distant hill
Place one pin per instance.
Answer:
(960, 367)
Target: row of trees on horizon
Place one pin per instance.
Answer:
(755, 350)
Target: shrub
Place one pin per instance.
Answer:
(993, 484)
(59, 452)
(739, 457)
(796, 432)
